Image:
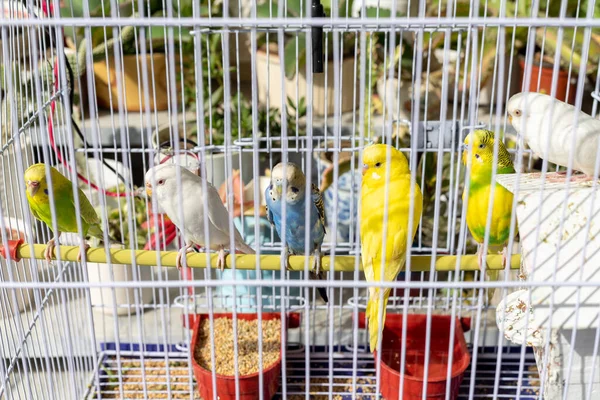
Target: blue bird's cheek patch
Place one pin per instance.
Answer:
(46, 191)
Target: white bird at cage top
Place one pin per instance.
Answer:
(547, 125)
(185, 199)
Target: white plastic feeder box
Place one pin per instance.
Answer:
(559, 230)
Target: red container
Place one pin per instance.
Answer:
(415, 357)
(545, 79)
(293, 318)
(249, 384)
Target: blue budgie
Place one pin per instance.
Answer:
(295, 224)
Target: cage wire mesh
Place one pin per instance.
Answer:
(103, 91)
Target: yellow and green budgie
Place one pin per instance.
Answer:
(376, 159)
(479, 153)
(64, 206)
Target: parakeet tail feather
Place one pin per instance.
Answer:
(322, 291)
(243, 247)
(373, 316)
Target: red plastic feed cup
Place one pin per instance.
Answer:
(415, 357)
(248, 384)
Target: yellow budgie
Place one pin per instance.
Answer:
(373, 199)
(480, 148)
(64, 206)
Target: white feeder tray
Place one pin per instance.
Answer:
(560, 240)
(552, 254)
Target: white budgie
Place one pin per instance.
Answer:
(162, 183)
(534, 116)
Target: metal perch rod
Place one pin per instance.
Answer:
(419, 263)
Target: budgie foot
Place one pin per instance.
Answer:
(49, 252)
(288, 266)
(182, 252)
(582, 178)
(505, 261)
(480, 257)
(318, 261)
(221, 260)
(317, 274)
(560, 177)
(80, 254)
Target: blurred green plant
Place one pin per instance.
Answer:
(21, 96)
(118, 221)
(213, 72)
(240, 113)
(127, 39)
(546, 38)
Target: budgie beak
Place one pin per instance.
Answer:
(465, 150)
(364, 169)
(148, 189)
(510, 118)
(33, 187)
(278, 187)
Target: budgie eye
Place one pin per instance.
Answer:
(481, 146)
(518, 113)
(295, 189)
(161, 182)
(378, 165)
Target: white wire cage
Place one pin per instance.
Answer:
(103, 91)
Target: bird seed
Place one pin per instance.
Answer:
(248, 350)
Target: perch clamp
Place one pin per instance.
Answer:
(13, 250)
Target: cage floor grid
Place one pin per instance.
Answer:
(176, 381)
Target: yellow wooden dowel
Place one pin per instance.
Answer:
(419, 263)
